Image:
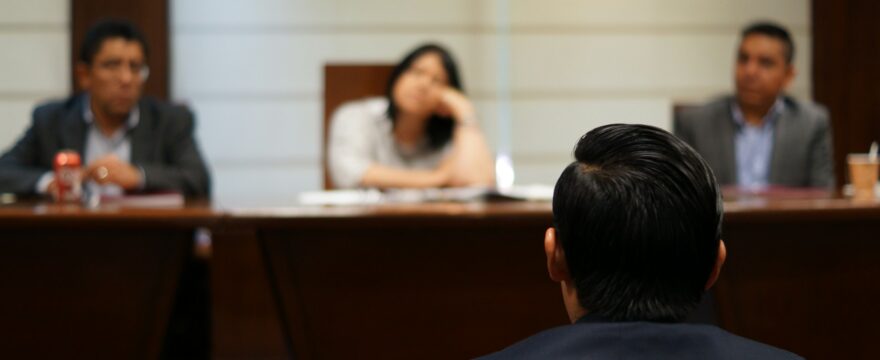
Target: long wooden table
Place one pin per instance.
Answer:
(439, 280)
(389, 282)
(78, 283)
(802, 275)
(460, 280)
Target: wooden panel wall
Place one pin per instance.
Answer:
(846, 73)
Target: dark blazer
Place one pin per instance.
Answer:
(801, 145)
(593, 338)
(162, 144)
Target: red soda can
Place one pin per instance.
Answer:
(68, 184)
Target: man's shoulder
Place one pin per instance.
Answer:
(164, 108)
(706, 119)
(804, 110)
(639, 340)
(165, 115)
(706, 111)
(53, 111)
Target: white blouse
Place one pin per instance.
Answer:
(361, 134)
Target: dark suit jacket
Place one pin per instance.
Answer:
(801, 144)
(162, 144)
(594, 338)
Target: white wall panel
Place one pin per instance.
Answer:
(273, 15)
(268, 14)
(287, 65)
(259, 130)
(629, 63)
(15, 117)
(34, 63)
(262, 185)
(52, 13)
(545, 171)
(554, 126)
(292, 64)
(631, 15)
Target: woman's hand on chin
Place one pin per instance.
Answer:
(453, 103)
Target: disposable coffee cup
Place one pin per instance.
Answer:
(863, 175)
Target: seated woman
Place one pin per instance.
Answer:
(424, 133)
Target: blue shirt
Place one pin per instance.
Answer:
(99, 145)
(754, 146)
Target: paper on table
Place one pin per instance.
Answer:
(341, 197)
(534, 192)
(400, 196)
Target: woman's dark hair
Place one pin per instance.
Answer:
(638, 214)
(439, 128)
(108, 29)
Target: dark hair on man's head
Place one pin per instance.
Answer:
(438, 128)
(639, 217)
(775, 31)
(108, 29)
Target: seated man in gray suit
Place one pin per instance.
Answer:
(635, 242)
(760, 137)
(127, 142)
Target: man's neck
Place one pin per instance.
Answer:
(107, 124)
(754, 114)
(572, 304)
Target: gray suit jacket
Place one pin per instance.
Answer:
(801, 144)
(162, 144)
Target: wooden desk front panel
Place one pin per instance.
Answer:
(808, 286)
(395, 287)
(415, 282)
(76, 293)
(94, 284)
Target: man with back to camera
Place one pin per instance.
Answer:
(636, 242)
(127, 142)
(760, 137)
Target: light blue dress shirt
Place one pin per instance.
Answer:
(99, 145)
(754, 147)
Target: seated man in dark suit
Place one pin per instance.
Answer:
(760, 137)
(127, 142)
(636, 242)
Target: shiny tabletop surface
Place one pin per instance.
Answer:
(737, 206)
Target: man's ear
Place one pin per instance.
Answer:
(557, 267)
(719, 262)
(83, 76)
(790, 74)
